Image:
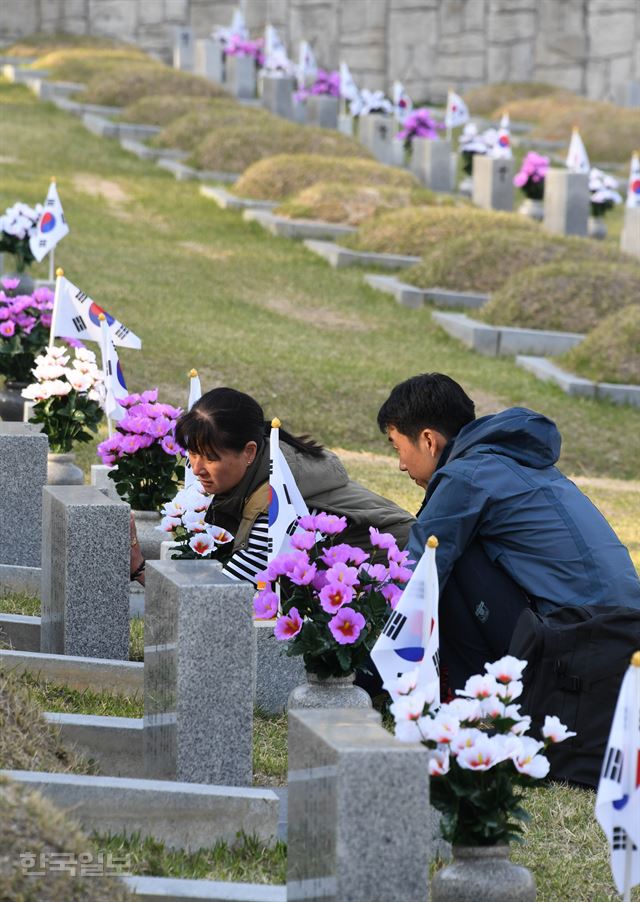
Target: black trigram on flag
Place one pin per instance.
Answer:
(81, 296)
(42, 242)
(436, 661)
(291, 528)
(79, 323)
(109, 368)
(50, 202)
(122, 331)
(269, 546)
(620, 840)
(394, 625)
(286, 492)
(270, 468)
(612, 769)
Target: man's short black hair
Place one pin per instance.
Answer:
(427, 401)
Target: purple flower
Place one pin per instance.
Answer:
(169, 445)
(334, 595)
(392, 593)
(307, 522)
(303, 541)
(340, 573)
(346, 626)
(9, 283)
(338, 554)
(378, 572)
(382, 539)
(150, 395)
(7, 329)
(265, 605)
(399, 573)
(130, 444)
(238, 46)
(327, 83)
(419, 124)
(43, 297)
(302, 574)
(288, 625)
(159, 427)
(533, 170)
(330, 524)
(5, 313)
(108, 448)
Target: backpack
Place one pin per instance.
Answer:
(577, 657)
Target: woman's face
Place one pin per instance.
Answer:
(220, 472)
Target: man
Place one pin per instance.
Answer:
(512, 530)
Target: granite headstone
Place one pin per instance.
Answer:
(492, 183)
(209, 59)
(277, 94)
(183, 49)
(431, 163)
(240, 76)
(376, 132)
(23, 473)
(566, 202)
(630, 239)
(322, 110)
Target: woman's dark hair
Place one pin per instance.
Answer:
(225, 419)
(428, 401)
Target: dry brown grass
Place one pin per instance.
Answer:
(610, 133)
(569, 296)
(486, 260)
(351, 204)
(611, 353)
(30, 824)
(486, 99)
(39, 44)
(417, 230)
(162, 109)
(81, 64)
(284, 175)
(130, 82)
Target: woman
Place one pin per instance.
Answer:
(227, 439)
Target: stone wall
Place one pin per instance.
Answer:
(590, 46)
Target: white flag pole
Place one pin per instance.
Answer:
(54, 312)
(630, 759)
(104, 352)
(51, 264)
(447, 116)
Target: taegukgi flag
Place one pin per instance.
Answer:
(307, 66)
(286, 504)
(633, 192)
(577, 159)
(618, 798)
(502, 148)
(411, 636)
(402, 103)
(115, 386)
(348, 87)
(457, 111)
(195, 393)
(275, 53)
(75, 315)
(51, 226)
(237, 29)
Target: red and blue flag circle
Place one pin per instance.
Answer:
(48, 222)
(635, 186)
(503, 140)
(94, 315)
(274, 506)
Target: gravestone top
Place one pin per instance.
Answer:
(81, 496)
(185, 574)
(30, 429)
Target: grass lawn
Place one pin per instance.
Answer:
(321, 350)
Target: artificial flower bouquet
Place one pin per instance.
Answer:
(471, 142)
(68, 399)
(25, 321)
(148, 459)
(183, 520)
(334, 597)
(530, 178)
(239, 46)
(17, 224)
(326, 83)
(419, 124)
(482, 758)
(603, 190)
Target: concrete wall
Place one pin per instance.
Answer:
(590, 46)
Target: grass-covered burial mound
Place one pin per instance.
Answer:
(285, 175)
(351, 204)
(485, 99)
(568, 296)
(81, 64)
(162, 109)
(417, 230)
(131, 82)
(611, 353)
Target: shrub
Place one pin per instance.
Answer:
(484, 261)
(610, 133)
(571, 296)
(611, 353)
(162, 109)
(284, 175)
(487, 98)
(416, 230)
(351, 203)
(126, 84)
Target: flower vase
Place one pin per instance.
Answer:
(149, 537)
(61, 469)
(534, 209)
(333, 692)
(12, 402)
(483, 872)
(597, 228)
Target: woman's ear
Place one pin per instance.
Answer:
(250, 450)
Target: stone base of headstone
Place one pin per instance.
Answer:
(183, 49)
(62, 469)
(299, 112)
(85, 574)
(240, 76)
(345, 124)
(322, 110)
(23, 473)
(343, 763)
(566, 202)
(277, 94)
(630, 239)
(492, 183)
(376, 132)
(431, 163)
(209, 59)
(199, 675)
(100, 480)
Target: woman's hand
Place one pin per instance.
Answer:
(137, 561)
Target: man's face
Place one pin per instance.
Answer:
(418, 458)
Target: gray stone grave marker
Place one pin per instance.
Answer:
(85, 573)
(240, 76)
(431, 163)
(566, 202)
(209, 59)
(199, 674)
(183, 49)
(23, 473)
(322, 110)
(376, 132)
(359, 821)
(492, 183)
(277, 94)
(100, 480)
(630, 238)
(345, 124)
